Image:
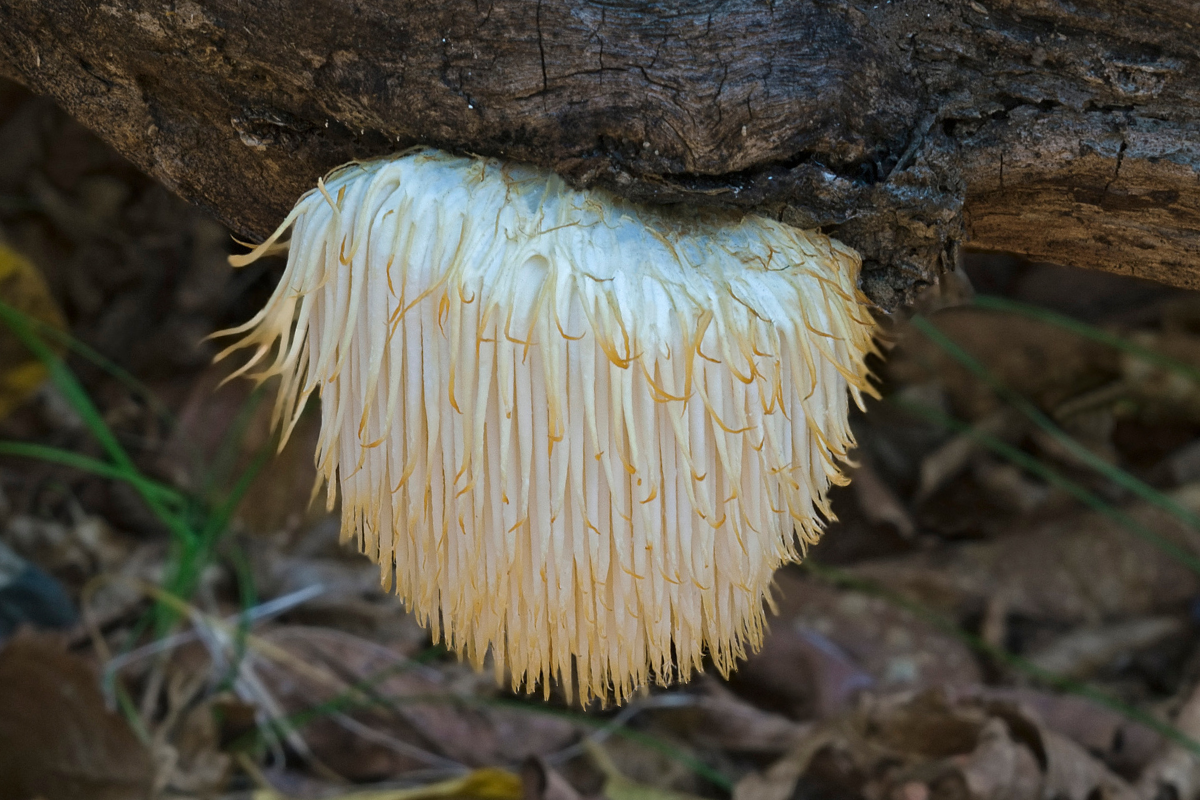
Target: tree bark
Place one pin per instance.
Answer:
(1067, 131)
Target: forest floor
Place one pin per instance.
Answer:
(1007, 606)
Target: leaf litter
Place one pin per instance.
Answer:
(987, 619)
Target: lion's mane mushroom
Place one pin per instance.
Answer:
(580, 432)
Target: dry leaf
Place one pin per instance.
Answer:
(827, 645)
(956, 453)
(1079, 568)
(197, 765)
(1081, 652)
(618, 787)
(1012, 755)
(57, 740)
(933, 744)
(540, 781)
(1126, 746)
(878, 503)
(1176, 771)
(717, 718)
(999, 768)
(927, 725)
(1072, 773)
(415, 719)
(778, 781)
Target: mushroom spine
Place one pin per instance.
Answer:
(575, 431)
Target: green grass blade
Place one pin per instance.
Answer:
(94, 466)
(1115, 474)
(73, 391)
(120, 374)
(1055, 478)
(132, 716)
(1150, 356)
(194, 554)
(22, 327)
(218, 519)
(248, 598)
(195, 529)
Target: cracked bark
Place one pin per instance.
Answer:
(1066, 131)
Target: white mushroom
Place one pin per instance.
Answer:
(579, 432)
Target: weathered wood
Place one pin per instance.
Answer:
(1067, 131)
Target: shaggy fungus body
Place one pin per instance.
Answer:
(577, 431)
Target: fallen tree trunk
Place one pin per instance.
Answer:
(1069, 132)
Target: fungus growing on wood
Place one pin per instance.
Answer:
(580, 432)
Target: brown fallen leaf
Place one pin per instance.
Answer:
(778, 781)
(878, 503)
(406, 716)
(902, 739)
(929, 724)
(956, 453)
(540, 781)
(617, 786)
(1008, 485)
(1175, 772)
(827, 645)
(1076, 568)
(1067, 770)
(57, 740)
(719, 719)
(1072, 773)
(933, 744)
(193, 761)
(1081, 652)
(999, 768)
(1124, 745)
(1015, 755)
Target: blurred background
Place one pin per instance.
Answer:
(1006, 606)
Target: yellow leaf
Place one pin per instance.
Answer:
(23, 288)
(481, 784)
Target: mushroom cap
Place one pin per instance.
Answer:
(575, 431)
